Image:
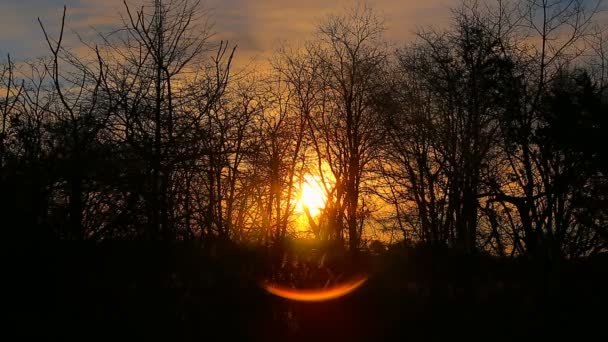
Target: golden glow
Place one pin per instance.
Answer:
(317, 295)
(312, 195)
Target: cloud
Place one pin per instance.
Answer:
(263, 24)
(20, 33)
(256, 26)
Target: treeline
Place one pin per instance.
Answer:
(485, 136)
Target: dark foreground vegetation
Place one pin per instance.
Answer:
(191, 292)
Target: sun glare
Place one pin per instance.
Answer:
(312, 195)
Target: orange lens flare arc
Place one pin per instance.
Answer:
(314, 295)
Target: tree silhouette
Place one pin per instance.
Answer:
(483, 136)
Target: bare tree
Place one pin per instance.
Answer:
(347, 55)
(75, 116)
(10, 97)
(163, 79)
(556, 30)
(442, 123)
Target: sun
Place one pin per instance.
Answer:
(312, 195)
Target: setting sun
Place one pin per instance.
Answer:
(312, 196)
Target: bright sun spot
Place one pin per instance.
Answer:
(312, 195)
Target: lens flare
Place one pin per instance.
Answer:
(316, 295)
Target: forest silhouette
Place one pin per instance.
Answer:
(455, 185)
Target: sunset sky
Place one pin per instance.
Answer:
(256, 26)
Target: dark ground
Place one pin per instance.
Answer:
(141, 291)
